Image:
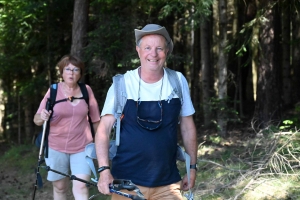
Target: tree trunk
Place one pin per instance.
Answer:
(222, 69)
(28, 117)
(195, 73)
(267, 108)
(295, 18)
(285, 59)
(79, 29)
(7, 123)
(206, 70)
(19, 118)
(180, 47)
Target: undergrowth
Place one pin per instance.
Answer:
(265, 167)
(260, 168)
(21, 157)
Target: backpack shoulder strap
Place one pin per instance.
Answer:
(84, 92)
(120, 101)
(53, 92)
(175, 83)
(85, 95)
(52, 99)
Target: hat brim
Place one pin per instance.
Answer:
(161, 31)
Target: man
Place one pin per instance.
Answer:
(148, 138)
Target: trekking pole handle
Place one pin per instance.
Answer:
(130, 196)
(48, 104)
(44, 130)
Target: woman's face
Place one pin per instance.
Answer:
(71, 74)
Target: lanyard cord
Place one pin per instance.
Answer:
(162, 82)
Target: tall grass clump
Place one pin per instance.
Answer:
(264, 167)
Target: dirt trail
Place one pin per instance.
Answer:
(16, 186)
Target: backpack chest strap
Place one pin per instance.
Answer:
(68, 99)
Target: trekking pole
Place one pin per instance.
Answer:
(38, 181)
(123, 184)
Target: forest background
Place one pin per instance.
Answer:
(240, 57)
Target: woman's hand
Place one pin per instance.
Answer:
(40, 118)
(45, 115)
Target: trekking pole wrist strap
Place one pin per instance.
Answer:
(100, 169)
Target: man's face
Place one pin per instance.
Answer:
(152, 51)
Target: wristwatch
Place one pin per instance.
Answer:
(194, 167)
(100, 169)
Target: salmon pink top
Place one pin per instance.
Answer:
(69, 127)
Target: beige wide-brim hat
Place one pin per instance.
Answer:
(154, 29)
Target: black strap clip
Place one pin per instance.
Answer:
(71, 98)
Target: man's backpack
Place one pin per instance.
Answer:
(52, 99)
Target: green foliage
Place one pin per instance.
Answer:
(33, 36)
(223, 105)
(112, 40)
(215, 139)
(21, 157)
(287, 124)
(176, 7)
(194, 12)
(27, 43)
(292, 121)
(106, 41)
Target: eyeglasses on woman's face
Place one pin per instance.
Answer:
(75, 70)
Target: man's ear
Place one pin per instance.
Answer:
(167, 50)
(137, 48)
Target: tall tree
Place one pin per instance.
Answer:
(206, 70)
(203, 18)
(222, 69)
(267, 108)
(195, 70)
(285, 9)
(295, 42)
(79, 28)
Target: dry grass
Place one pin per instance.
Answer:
(265, 167)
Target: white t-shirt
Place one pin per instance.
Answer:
(160, 90)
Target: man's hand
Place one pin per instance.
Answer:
(185, 184)
(105, 180)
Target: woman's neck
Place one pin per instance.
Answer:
(69, 87)
(70, 91)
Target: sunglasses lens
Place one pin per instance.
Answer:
(148, 125)
(148, 122)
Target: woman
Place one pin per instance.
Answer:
(69, 130)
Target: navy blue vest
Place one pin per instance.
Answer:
(148, 157)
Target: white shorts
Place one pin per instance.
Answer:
(63, 162)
